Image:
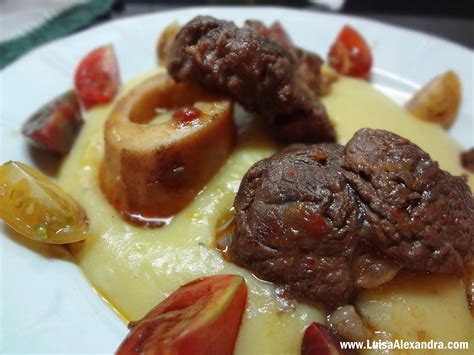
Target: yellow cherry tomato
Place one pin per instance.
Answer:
(37, 208)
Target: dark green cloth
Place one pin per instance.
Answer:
(62, 24)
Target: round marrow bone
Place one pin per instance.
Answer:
(152, 171)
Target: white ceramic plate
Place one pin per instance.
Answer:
(46, 304)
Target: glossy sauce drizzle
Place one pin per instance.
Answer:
(225, 231)
(145, 222)
(134, 218)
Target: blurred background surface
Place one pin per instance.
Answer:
(450, 19)
(25, 24)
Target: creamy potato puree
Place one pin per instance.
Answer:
(136, 268)
(420, 308)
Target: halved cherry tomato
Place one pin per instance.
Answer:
(55, 125)
(438, 101)
(97, 77)
(165, 41)
(201, 317)
(319, 340)
(39, 209)
(350, 54)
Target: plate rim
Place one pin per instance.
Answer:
(408, 31)
(177, 12)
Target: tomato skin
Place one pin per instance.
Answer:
(55, 125)
(319, 340)
(350, 54)
(97, 77)
(201, 317)
(38, 208)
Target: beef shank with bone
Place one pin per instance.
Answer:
(153, 170)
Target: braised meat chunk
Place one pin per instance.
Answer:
(419, 214)
(256, 70)
(297, 222)
(302, 127)
(313, 216)
(308, 64)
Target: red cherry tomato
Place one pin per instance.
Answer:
(55, 125)
(201, 317)
(350, 54)
(318, 340)
(97, 77)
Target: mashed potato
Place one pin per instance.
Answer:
(134, 268)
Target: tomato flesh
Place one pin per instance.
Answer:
(37, 208)
(187, 115)
(201, 317)
(350, 54)
(97, 77)
(318, 340)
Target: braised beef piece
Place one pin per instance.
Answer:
(305, 216)
(301, 127)
(308, 63)
(275, 32)
(298, 127)
(296, 223)
(417, 213)
(259, 72)
(467, 160)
